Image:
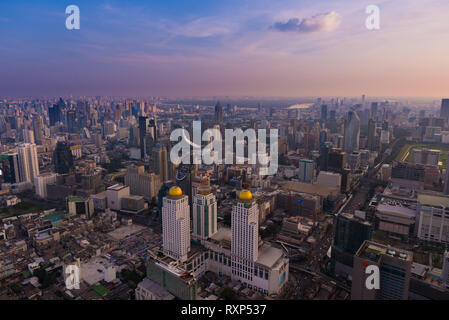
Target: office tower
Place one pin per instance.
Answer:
(324, 113)
(394, 267)
(143, 123)
(218, 114)
(408, 171)
(374, 110)
(28, 162)
(184, 177)
(245, 236)
(426, 157)
(63, 158)
(336, 160)
(38, 127)
(306, 170)
(142, 183)
(160, 161)
(71, 121)
(9, 168)
(55, 112)
(176, 225)
(28, 135)
(433, 213)
(41, 181)
(444, 109)
(204, 213)
(152, 129)
(372, 135)
(352, 132)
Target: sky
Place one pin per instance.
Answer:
(263, 48)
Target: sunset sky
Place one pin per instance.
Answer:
(230, 47)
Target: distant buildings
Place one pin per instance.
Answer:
(352, 132)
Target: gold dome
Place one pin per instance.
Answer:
(245, 195)
(175, 192)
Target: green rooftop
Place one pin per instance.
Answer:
(100, 290)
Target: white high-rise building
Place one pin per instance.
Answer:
(28, 135)
(41, 181)
(176, 225)
(28, 162)
(204, 213)
(245, 236)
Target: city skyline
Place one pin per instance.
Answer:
(259, 48)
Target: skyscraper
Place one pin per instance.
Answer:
(218, 114)
(372, 135)
(9, 168)
(324, 113)
(374, 106)
(28, 162)
(143, 123)
(160, 161)
(352, 133)
(444, 109)
(245, 236)
(38, 127)
(63, 158)
(176, 225)
(204, 213)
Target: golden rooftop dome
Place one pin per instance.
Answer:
(245, 195)
(175, 192)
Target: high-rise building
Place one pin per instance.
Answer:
(433, 215)
(160, 161)
(372, 135)
(142, 183)
(444, 109)
(218, 114)
(374, 106)
(28, 135)
(143, 123)
(41, 181)
(394, 267)
(324, 113)
(9, 168)
(204, 213)
(245, 236)
(63, 158)
(38, 127)
(336, 160)
(352, 132)
(28, 162)
(176, 225)
(306, 170)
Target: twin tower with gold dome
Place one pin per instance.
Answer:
(244, 195)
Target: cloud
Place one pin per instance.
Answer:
(204, 27)
(325, 22)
